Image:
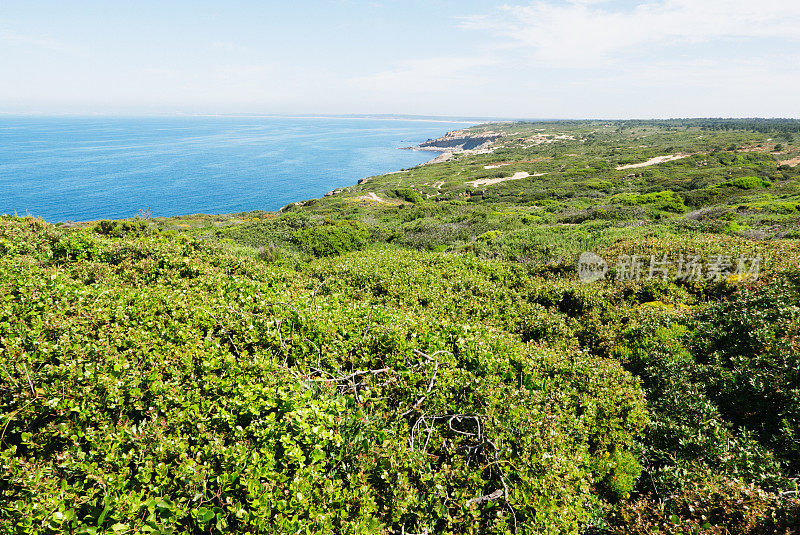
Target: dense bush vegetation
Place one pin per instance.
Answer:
(158, 383)
(333, 238)
(428, 362)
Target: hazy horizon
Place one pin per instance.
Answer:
(387, 116)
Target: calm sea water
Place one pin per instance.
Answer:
(92, 168)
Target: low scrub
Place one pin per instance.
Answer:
(333, 238)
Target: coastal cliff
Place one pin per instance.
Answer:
(458, 141)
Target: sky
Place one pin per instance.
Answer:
(467, 58)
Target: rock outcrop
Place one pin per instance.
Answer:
(457, 141)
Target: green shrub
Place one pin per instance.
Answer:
(333, 238)
(619, 471)
(117, 229)
(77, 246)
(667, 201)
(746, 182)
(713, 507)
(534, 323)
(748, 349)
(409, 195)
(489, 235)
(680, 402)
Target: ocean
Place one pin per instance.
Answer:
(87, 168)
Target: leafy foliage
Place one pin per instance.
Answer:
(159, 384)
(749, 349)
(422, 359)
(333, 238)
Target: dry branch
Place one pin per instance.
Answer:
(358, 374)
(496, 495)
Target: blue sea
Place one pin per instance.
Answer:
(85, 168)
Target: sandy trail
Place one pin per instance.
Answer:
(654, 161)
(489, 181)
(371, 196)
(794, 162)
(497, 165)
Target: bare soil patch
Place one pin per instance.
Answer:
(489, 181)
(654, 161)
(373, 197)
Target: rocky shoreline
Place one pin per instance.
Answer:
(453, 142)
(457, 141)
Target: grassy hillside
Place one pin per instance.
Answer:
(417, 353)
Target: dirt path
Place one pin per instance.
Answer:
(489, 181)
(654, 161)
(794, 162)
(371, 196)
(502, 164)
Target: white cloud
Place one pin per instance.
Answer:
(593, 58)
(587, 33)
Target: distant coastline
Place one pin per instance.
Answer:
(456, 142)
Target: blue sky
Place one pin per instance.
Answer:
(545, 58)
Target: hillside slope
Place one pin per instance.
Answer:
(436, 363)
